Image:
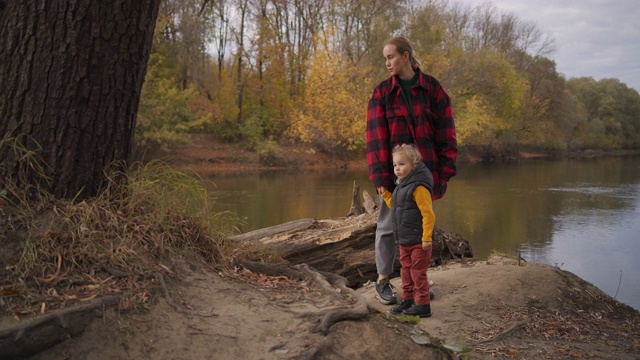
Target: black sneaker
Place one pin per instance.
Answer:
(422, 311)
(402, 305)
(385, 293)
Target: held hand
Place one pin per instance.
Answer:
(426, 245)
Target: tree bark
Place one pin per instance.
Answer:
(71, 76)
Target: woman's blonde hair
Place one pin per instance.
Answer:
(410, 150)
(403, 45)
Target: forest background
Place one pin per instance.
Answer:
(269, 72)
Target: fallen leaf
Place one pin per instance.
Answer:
(8, 292)
(421, 339)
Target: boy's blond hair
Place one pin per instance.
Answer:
(410, 150)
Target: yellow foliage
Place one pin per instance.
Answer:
(475, 123)
(512, 90)
(332, 113)
(491, 114)
(225, 94)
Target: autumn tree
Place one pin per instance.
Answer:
(167, 111)
(244, 70)
(362, 26)
(71, 74)
(546, 111)
(180, 90)
(334, 120)
(185, 30)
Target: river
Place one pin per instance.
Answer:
(582, 216)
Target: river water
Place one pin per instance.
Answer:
(580, 215)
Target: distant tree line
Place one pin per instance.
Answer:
(267, 71)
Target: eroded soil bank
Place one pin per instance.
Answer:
(500, 308)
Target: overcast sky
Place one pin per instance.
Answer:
(593, 38)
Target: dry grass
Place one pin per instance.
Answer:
(146, 224)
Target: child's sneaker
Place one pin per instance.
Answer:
(419, 310)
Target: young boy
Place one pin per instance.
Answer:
(413, 224)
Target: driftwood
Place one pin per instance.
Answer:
(344, 245)
(360, 205)
(369, 205)
(356, 201)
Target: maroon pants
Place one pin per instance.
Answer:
(415, 261)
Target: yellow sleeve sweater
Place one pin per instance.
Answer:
(423, 199)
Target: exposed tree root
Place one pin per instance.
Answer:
(275, 269)
(330, 281)
(167, 295)
(320, 348)
(327, 281)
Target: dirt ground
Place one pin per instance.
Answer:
(482, 309)
(498, 308)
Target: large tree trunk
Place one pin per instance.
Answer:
(71, 75)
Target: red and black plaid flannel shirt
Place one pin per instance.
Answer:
(389, 123)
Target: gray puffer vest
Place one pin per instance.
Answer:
(407, 219)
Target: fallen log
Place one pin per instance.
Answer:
(344, 245)
(31, 337)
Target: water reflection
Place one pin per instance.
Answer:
(271, 198)
(583, 216)
(600, 237)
